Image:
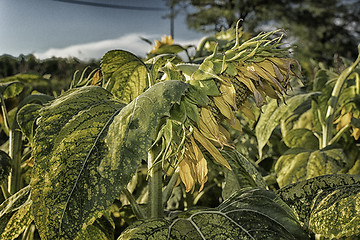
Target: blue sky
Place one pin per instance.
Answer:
(51, 28)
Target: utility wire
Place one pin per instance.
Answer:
(105, 5)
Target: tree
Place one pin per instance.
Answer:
(319, 28)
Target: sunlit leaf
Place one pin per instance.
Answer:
(126, 74)
(300, 164)
(273, 113)
(326, 205)
(15, 214)
(249, 214)
(301, 138)
(10, 89)
(291, 166)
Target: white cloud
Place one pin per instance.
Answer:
(95, 50)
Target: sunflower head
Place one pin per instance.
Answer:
(165, 40)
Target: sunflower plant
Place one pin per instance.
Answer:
(165, 122)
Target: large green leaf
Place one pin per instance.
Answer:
(243, 173)
(301, 138)
(299, 164)
(15, 214)
(273, 113)
(68, 192)
(126, 74)
(327, 205)
(87, 148)
(133, 131)
(249, 214)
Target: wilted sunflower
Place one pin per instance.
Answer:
(219, 88)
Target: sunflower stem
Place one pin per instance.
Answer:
(328, 126)
(135, 207)
(155, 206)
(169, 188)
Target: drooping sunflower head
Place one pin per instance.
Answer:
(218, 88)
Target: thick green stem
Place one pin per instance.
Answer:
(15, 143)
(329, 118)
(170, 186)
(155, 205)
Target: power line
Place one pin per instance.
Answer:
(105, 5)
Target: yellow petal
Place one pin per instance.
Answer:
(210, 148)
(186, 175)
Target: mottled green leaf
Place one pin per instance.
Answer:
(336, 213)
(5, 166)
(68, 192)
(197, 96)
(87, 148)
(133, 131)
(26, 118)
(249, 214)
(207, 87)
(10, 89)
(126, 74)
(15, 214)
(326, 205)
(301, 138)
(291, 166)
(300, 164)
(187, 68)
(273, 113)
(243, 173)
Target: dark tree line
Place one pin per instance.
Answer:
(319, 28)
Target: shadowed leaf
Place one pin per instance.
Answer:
(249, 214)
(5, 166)
(243, 173)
